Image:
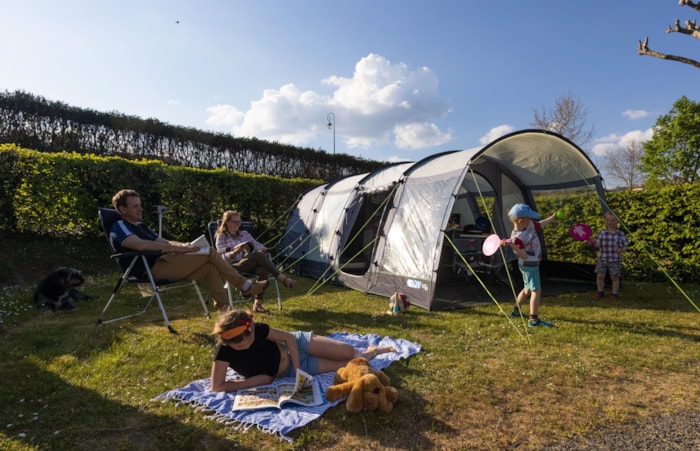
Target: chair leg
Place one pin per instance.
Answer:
(156, 290)
(230, 294)
(162, 310)
(156, 294)
(201, 299)
(277, 291)
(116, 290)
(100, 321)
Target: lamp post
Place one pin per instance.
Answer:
(160, 210)
(331, 126)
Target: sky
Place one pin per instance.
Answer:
(403, 79)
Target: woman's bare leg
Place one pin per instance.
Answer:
(334, 354)
(327, 348)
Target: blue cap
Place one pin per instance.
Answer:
(523, 211)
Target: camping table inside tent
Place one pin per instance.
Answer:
(470, 249)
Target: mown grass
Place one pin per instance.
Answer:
(480, 382)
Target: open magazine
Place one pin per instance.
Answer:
(304, 391)
(202, 243)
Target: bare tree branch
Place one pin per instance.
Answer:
(567, 117)
(691, 29)
(643, 49)
(624, 165)
(695, 6)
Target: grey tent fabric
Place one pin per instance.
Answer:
(384, 231)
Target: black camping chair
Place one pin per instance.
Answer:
(469, 260)
(467, 257)
(134, 268)
(248, 227)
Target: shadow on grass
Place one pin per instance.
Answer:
(382, 430)
(327, 321)
(636, 296)
(630, 326)
(40, 406)
(25, 264)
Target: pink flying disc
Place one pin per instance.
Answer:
(491, 245)
(580, 232)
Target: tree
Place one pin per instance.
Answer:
(672, 155)
(691, 29)
(624, 165)
(568, 118)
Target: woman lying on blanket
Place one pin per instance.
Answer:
(261, 353)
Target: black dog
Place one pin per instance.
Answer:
(59, 290)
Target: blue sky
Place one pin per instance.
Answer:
(404, 78)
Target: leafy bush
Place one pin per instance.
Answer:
(660, 225)
(58, 194)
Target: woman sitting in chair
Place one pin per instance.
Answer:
(246, 254)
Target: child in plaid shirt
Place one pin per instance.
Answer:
(611, 243)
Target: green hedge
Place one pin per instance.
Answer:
(58, 194)
(660, 224)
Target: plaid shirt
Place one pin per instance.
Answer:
(608, 243)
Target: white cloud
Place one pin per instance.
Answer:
(611, 137)
(636, 114)
(495, 133)
(419, 136)
(397, 159)
(611, 143)
(381, 103)
(224, 116)
(287, 115)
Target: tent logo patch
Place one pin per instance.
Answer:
(413, 283)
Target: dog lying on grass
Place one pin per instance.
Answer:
(58, 290)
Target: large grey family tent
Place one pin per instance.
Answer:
(385, 231)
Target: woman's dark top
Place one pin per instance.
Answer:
(262, 357)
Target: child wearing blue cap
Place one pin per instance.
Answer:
(525, 243)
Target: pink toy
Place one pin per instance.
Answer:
(491, 245)
(493, 242)
(580, 232)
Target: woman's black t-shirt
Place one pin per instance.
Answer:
(262, 357)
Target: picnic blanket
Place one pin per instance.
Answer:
(280, 422)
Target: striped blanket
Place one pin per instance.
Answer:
(280, 422)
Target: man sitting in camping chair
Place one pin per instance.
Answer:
(179, 260)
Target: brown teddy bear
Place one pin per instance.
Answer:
(365, 387)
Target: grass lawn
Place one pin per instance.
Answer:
(482, 381)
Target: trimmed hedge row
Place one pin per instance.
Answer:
(660, 224)
(58, 194)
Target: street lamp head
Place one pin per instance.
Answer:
(331, 126)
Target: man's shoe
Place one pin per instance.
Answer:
(538, 323)
(597, 296)
(256, 288)
(516, 314)
(613, 297)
